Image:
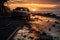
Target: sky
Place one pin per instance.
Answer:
(38, 5)
(43, 1)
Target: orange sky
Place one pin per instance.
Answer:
(38, 5)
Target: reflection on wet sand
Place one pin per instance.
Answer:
(41, 27)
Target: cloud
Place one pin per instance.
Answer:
(38, 1)
(49, 2)
(43, 1)
(56, 8)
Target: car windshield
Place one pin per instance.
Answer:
(22, 9)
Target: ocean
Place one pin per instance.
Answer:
(57, 13)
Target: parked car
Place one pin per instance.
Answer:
(21, 12)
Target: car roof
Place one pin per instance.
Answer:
(21, 8)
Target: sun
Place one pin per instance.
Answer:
(33, 9)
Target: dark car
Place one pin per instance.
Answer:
(21, 12)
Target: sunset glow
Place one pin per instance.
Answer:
(34, 10)
(38, 5)
(32, 7)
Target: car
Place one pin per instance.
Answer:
(21, 12)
